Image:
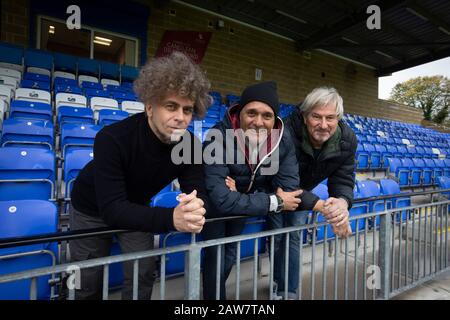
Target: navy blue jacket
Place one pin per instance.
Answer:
(254, 189)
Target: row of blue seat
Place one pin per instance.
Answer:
(16, 55)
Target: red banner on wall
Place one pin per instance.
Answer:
(191, 43)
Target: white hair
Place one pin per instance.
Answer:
(323, 96)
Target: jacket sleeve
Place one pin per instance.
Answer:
(342, 181)
(287, 177)
(111, 193)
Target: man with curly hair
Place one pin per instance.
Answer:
(132, 163)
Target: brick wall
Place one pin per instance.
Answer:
(15, 21)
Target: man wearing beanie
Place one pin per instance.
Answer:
(249, 188)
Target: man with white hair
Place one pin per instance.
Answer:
(325, 147)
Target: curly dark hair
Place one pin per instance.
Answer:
(177, 74)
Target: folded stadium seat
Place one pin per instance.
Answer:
(420, 151)
(30, 110)
(109, 116)
(71, 100)
(98, 103)
(428, 152)
(116, 88)
(2, 114)
(40, 85)
(174, 261)
(390, 187)
(370, 189)
(430, 166)
(321, 190)
(27, 173)
(23, 218)
(124, 96)
(439, 168)
(371, 139)
(128, 74)
(133, 107)
(232, 99)
(65, 63)
(216, 96)
(11, 82)
(381, 149)
(426, 173)
(68, 89)
(382, 140)
(90, 85)
(417, 172)
(392, 151)
(11, 56)
(444, 183)
(77, 136)
(361, 138)
(33, 95)
(411, 152)
(109, 82)
(88, 67)
(397, 169)
(402, 152)
(67, 114)
(374, 156)
(38, 61)
(5, 95)
(74, 161)
(447, 167)
(358, 209)
(64, 81)
(29, 133)
(362, 158)
(36, 77)
(223, 111)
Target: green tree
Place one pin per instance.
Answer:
(431, 94)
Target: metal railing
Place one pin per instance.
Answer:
(389, 252)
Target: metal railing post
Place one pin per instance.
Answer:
(384, 254)
(192, 272)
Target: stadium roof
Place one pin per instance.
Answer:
(412, 32)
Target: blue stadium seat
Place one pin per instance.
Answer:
(90, 93)
(439, 168)
(124, 96)
(30, 110)
(362, 158)
(382, 151)
(128, 73)
(444, 183)
(59, 81)
(88, 85)
(174, 261)
(74, 115)
(321, 190)
(88, 67)
(74, 161)
(232, 99)
(374, 156)
(20, 219)
(33, 133)
(38, 59)
(40, 85)
(217, 97)
(68, 89)
(65, 62)
(35, 168)
(390, 187)
(77, 136)
(397, 169)
(36, 77)
(420, 171)
(370, 189)
(447, 167)
(109, 116)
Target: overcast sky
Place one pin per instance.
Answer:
(438, 67)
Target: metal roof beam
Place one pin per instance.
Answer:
(346, 23)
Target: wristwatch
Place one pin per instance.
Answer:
(280, 204)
